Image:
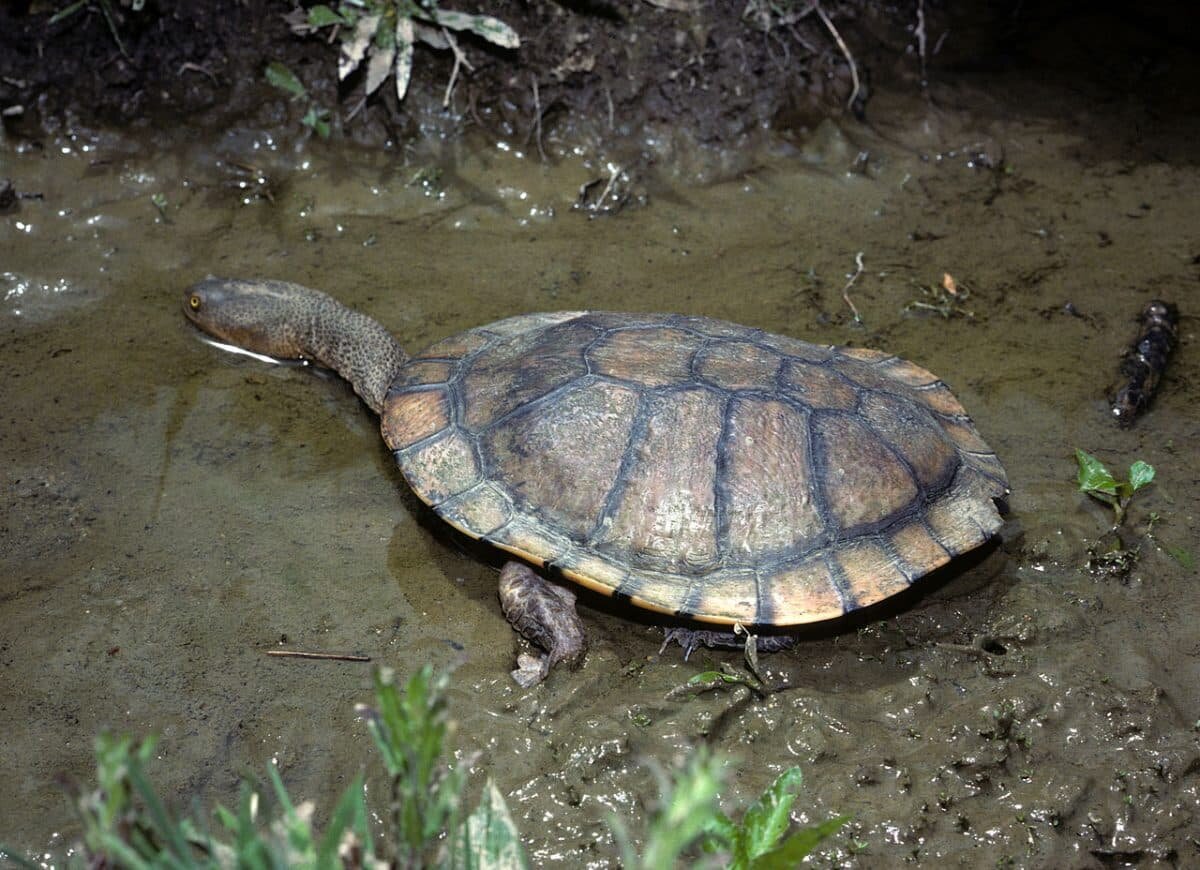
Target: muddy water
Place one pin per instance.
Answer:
(171, 512)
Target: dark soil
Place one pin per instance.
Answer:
(614, 66)
(598, 71)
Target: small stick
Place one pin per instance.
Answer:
(858, 262)
(920, 34)
(460, 60)
(537, 119)
(324, 656)
(845, 51)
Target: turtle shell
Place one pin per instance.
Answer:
(693, 466)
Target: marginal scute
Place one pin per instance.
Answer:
(529, 537)
(594, 572)
(561, 460)
(919, 551)
(908, 372)
(939, 398)
(861, 480)
(965, 436)
(456, 346)
(711, 328)
(523, 323)
(479, 511)
(962, 520)
(650, 357)
(871, 573)
(727, 596)
(440, 468)
(414, 415)
(802, 593)
(738, 365)
(864, 372)
(794, 347)
(865, 354)
(989, 465)
(420, 372)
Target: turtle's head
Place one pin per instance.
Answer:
(262, 316)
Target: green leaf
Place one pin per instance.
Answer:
(709, 678)
(323, 16)
(767, 818)
(492, 838)
(796, 848)
(719, 833)
(688, 802)
(66, 11)
(1093, 476)
(317, 119)
(1140, 474)
(279, 76)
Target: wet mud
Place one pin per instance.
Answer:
(171, 512)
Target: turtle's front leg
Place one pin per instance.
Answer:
(545, 615)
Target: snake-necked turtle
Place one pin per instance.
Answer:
(690, 466)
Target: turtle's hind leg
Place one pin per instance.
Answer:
(544, 614)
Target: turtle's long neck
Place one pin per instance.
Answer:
(292, 322)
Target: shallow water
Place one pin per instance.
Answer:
(171, 512)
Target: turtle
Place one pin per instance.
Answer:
(711, 472)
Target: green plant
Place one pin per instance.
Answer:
(688, 817)
(1098, 482)
(126, 824)
(316, 118)
(383, 33)
(755, 841)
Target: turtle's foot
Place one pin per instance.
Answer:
(544, 614)
(691, 639)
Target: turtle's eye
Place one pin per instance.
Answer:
(194, 302)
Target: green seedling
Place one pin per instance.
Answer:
(1098, 482)
(756, 841)
(316, 118)
(687, 818)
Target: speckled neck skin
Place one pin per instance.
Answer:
(288, 321)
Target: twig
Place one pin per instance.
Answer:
(616, 173)
(537, 119)
(920, 34)
(195, 67)
(845, 51)
(858, 262)
(325, 656)
(460, 60)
